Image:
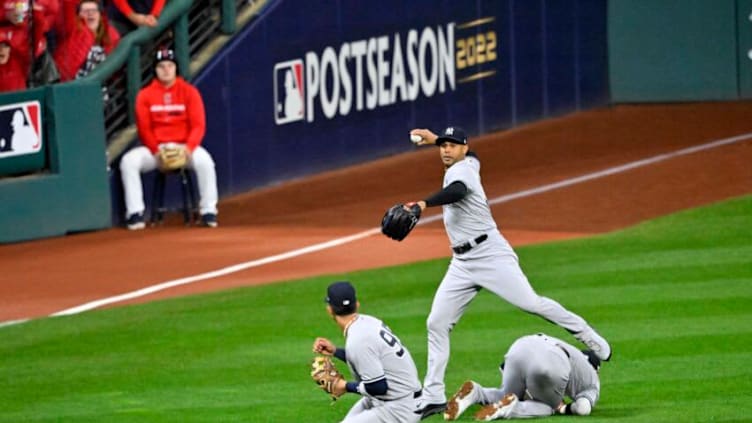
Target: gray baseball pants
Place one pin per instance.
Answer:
(485, 269)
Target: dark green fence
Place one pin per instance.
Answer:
(71, 193)
(689, 50)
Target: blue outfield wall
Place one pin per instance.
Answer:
(312, 86)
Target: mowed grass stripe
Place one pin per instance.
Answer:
(674, 296)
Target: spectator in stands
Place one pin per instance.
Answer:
(51, 12)
(128, 15)
(168, 110)
(58, 24)
(17, 26)
(12, 75)
(86, 39)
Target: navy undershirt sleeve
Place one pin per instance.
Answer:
(453, 192)
(352, 387)
(377, 388)
(340, 353)
(374, 388)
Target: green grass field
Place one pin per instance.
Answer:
(673, 296)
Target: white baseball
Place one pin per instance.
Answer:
(416, 138)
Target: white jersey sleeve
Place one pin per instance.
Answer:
(583, 379)
(471, 216)
(375, 353)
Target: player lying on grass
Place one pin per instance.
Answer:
(538, 372)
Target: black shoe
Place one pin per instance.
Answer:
(135, 222)
(431, 409)
(209, 220)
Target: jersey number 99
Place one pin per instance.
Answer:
(392, 341)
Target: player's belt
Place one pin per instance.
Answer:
(463, 248)
(416, 394)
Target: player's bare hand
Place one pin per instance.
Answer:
(323, 346)
(427, 137)
(421, 204)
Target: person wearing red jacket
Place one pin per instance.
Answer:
(16, 26)
(86, 40)
(51, 11)
(168, 111)
(128, 15)
(12, 74)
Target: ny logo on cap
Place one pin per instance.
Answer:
(449, 131)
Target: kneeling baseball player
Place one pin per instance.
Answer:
(538, 372)
(386, 375)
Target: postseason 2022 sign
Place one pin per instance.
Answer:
(376, 72)
(313, 86)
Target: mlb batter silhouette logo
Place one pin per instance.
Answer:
(20, 129)
(288, 92)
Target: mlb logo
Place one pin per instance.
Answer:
(20, 129)
(288, 92)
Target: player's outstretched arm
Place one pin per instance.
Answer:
(426, 136)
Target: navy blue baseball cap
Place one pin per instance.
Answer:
(341, 296)
(453, 134)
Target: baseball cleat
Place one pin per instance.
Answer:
(498, 410)
(461, 400)
(595, 342)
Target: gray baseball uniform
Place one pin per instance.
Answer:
(542, 370)
(482, 259)
(375, 353)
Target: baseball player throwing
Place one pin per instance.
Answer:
(482, 258)
(537, 373)
(386, 375)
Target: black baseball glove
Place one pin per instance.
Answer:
(398, 222)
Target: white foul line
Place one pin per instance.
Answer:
(217, 273)
(360, 235)
(619, 169)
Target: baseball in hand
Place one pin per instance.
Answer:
(415, 138)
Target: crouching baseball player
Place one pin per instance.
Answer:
(386, 375)
(538, 372)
